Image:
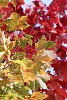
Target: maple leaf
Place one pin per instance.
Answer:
(24, 63)
(46, 23)
(38, 96)
(28, 76)
(16, 22)
(22, 91)
(49, 44)
(39, 45)
(61, 93)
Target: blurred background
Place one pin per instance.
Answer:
(47, 2)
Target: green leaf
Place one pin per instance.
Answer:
(2, 53)
(37, 85)
(31, 85)
(16, 22)
(29, 40)
(22, 43)
(27, 62)
(11, 96)
(49, 44)
(11, 24)
(22, 91)
(19, 55)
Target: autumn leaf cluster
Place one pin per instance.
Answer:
(31, 43)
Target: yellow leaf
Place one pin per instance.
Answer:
(40, 44)
(4, 82)
(15, 16)
(21, 63)
(22, 25)
(38, 96)
(14, 3)
(46, 59)
(16, 22)
(28, 76)
(11, 45)
(11, 24)
(15, 78)
(23, 18)
(38, 56)
(3, 3)
(0, 34)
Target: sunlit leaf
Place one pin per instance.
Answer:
(22, 25)
(23, 18)
(25, 63)
(38, 96)
(28, 76)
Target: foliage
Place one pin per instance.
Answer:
(30, 40)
